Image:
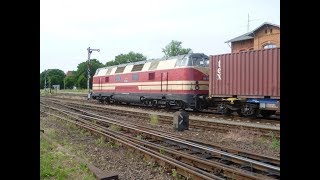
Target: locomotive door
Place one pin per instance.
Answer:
(100, 84)
(164, 81)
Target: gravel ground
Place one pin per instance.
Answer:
(107, 156)
(239, 139)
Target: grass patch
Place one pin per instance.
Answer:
(161, 151)
(115, 127)
(154, 119)
(175, 174)
(73, 91)
(275, 143)
(240, 135)
(100, 141)
(44, 93)
(113, 144)
(139, 137)
(54, 164)
(272, 143)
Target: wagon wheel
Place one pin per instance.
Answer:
(239, 113)
(249, 110)
(266, 114)
(223, 109)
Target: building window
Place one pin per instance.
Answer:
(269, 45)
(270, 31)
(107, 79)
(151, 76)
(135, 77)
(118, 78)
(266, 31)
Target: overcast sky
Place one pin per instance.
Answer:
(69, 27)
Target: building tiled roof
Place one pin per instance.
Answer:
(250, 35)
(69, 73)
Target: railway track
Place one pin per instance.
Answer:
(191, 159)
(209, 114)
(196, 123)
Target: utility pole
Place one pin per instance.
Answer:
(45, 81)
(249, 22)
(49, 84)
(89, 52)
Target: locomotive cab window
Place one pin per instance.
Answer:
(151, 76)
(118, 78)
(199, 61)
(182, 62)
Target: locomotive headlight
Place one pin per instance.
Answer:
(205, 78)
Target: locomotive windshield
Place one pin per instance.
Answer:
(199, 61)
(194, 60)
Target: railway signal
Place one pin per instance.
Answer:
(88, 81)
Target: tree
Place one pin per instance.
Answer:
(82, 70)
(82, 82)
(174, 48)
(127, 58)
(70, 81)
(53, 76)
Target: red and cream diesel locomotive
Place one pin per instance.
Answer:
(179, 81)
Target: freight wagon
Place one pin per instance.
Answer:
(246, 82)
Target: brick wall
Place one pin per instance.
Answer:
(242, 45)
(262, 38)
(265, 35)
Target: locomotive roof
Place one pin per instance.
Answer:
(159, 59)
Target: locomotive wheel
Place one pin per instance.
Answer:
(101, 100)
(107, 100)
(200, 105)
(249, 110)
(155, 103)
(223, 109)
(167, 106)
(183, 105)
(180, 104)
(266, 114)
